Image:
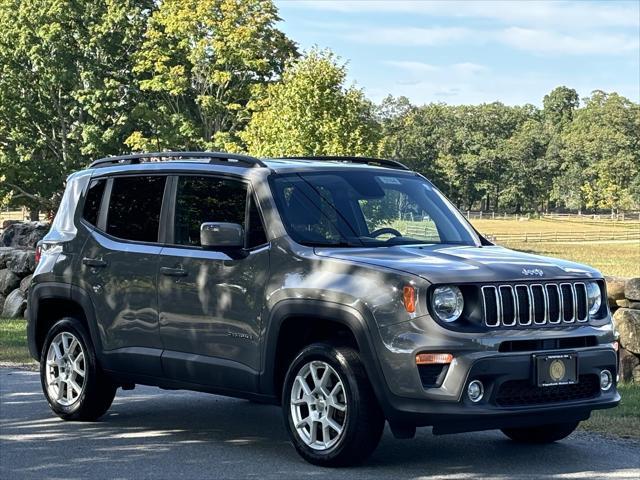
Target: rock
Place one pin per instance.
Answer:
(624, 303)
(7, 223)
(628, 362)
(23, 235)
(636, 374)
(2, 299)
(615, 289)
(25, 283)
(9, 281)
(14, 305)
(632, 289)
(634, 305)
(627, 323)
(5, 253)
(22, 262)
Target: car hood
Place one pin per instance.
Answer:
(461, 264)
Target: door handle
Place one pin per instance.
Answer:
(94, 262)
(173, 272)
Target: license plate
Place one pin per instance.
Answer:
(553, 370)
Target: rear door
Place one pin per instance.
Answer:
(211, 301)
(119, 269)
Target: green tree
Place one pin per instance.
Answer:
(560, 105)
(66, 89)
(601, 154)
(311, 112)
(200, 63)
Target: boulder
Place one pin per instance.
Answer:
(627, 323)
(634, 305)
(5, 253)
(22, 262)
(615, 289)
(14, 305)
(9, 281)
(23, 234)
(636, 374)
(624, 303)
(632, 289)
(628, 362)
(7, 223)
(25, 283)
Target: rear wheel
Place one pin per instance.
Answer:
(541, 434)
(75, 386)
(330, 411)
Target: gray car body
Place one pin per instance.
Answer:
(217, 328)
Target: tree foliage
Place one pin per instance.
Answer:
(66, 89)
(80, 79)
(311, 112)
(199, 65)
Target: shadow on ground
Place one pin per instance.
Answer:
(150, 433)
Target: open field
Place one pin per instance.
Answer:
(618, 257)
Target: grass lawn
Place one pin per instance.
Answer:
(13, 342)
(622, 421)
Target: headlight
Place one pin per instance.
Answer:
(447, 303)
(594, 296)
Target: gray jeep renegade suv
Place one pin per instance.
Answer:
(347, 290)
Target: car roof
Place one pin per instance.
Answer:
(237, 164)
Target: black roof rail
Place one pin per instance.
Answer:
(213, 157)
(383, 162)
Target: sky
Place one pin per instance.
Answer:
(471, 52)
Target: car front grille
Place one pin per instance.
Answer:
(516, 393)
(534, 304)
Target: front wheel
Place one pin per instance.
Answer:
(541, 434)
(75, 386)
(330, 411)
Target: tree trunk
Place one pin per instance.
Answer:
(34, 214)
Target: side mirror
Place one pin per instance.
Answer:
(221, 235)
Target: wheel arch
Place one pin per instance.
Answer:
(317, 312)
(49, 302)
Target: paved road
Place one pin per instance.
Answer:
(150, 433)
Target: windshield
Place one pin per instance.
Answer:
(367, 209)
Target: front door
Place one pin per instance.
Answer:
(211, 300)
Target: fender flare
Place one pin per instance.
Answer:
(61, 291)
(323, 310)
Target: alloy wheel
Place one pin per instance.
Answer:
(65, 370)
(318, 405)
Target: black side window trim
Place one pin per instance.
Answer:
(167, 215)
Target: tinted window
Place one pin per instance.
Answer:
(92, 202)
(134, 208)
(255, 232)
(206, 199)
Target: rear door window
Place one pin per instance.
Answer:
(134, 207)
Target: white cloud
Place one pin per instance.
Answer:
(409, 36)
(465, 68)
(531, 40)
(531, 13)
(540, 41)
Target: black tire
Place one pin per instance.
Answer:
(363, 419)
(542, 434)
(97, 391)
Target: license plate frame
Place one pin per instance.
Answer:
(556, 369)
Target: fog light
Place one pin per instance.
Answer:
(606, 380)
(475, 391)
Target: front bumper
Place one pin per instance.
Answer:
(490, 413)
